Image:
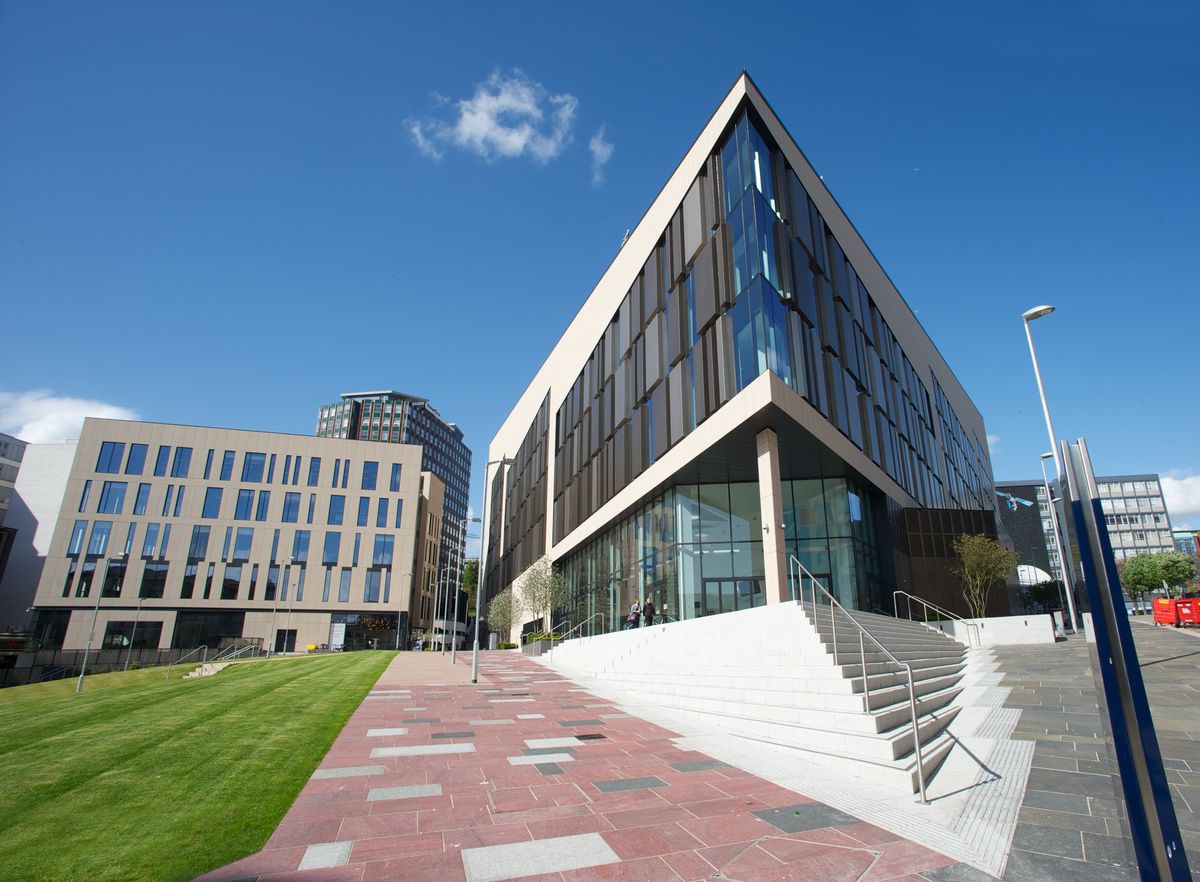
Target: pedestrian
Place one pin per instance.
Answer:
(648, 612)
(631, 621)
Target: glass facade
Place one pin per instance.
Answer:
(697, 550)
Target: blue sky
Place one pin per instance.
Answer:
(228, 213)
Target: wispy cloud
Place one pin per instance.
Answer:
(509, 116)
(993, 442)
(602, 152)
(41, 417)
(1182, 492)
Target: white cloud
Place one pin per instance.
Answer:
(993, 441)
(602, 152)
(41, 417)
(1182, 493)
(509, 116)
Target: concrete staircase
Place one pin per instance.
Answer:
(769, 675)
(206, 670)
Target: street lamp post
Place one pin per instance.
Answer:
(1058, 538)
(443, 575)
(283, 574)
(479, 585)
(95, 615)
(399, 588)
(288, 629)
(136, 618)
(462, 553)
(1064, 550)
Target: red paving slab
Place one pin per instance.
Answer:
(696, 824)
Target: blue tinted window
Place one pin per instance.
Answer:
(111, 453)
(337, 510)
(395, 482)
(344, 588)
(137, 459)
(198, 549)
(399, 511)
(179, 500)
(151, 540)
(296, 471)
(98, 544)
(312, 506)
(166, 509)
(291, 508)
(330, 554)
(371, 587)
(208, 463)
(275, 545)
(112, 497)
(382, 513)
(300, 546)
(370, 475)
(231, 582)
(227, 465)
(166, 537)
(160, 461)
(314, 470)
(245, 504)
(287, 470)
(83, 497)
(76, 544)
(141, 500)
(252, 467)
(264, 503)
(364, 510)
(129, 537)
(345, 473)
(182, 462)
(212, 503)
(382, 555)
(357, 543)
(271, 469)
(242, 543)
(228, 542)
(337, 470)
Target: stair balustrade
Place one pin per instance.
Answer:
(926, 607)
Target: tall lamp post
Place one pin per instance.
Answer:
(462, 553)
(398, 588)
(136, 618)
(1058, 538)
(124, 558)
(1064, 550)
(479, 585)
(288, 629)
(283, 575)
(443, 577)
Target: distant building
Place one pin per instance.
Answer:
(12, 450)
(398, 418)
(224, 535)
(1187, 541)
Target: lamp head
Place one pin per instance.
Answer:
(1037, 312)
(1047, 456)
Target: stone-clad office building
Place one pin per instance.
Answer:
(743, 384)
(285, 540)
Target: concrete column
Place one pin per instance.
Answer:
(770, 500)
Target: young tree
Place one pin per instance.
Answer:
(1140, 575)
(544, 589)
(503, 612)
(470, 581)
(982, 562)
(1177, 569)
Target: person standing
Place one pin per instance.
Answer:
(631, 620)
(648, 612)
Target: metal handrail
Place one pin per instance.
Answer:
(863, 636)
(203, 660)
(53, 673)
(554, 628)
(937, 609)
(577, 627)
(231, 655)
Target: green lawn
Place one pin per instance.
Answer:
(140, 778)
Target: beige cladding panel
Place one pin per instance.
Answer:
(95, 432)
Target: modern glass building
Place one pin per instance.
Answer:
(182, 536)
(400, 418)
(743, 385)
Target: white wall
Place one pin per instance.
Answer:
(1001, 630)
(33, 513)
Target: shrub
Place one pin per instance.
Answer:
(506, 646)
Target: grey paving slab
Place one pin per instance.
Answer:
(415, 720)
(957, 873)
(379, 733)
(1113, 850)
(463, 734)
(555, 855)
(408, 791)
(549, 768)
(1058, 802)
(1048, 840)
(323, 855)
(1071, 782)
(619, 784)
(421, 750)
(540, 758)
(569, 723)
(1062, 820)
(801, 818)
(349, 772)
(1024, 866)
(491, 722)
(539, 751)
(569, 741)
(699, 766)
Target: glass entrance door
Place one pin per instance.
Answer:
(729, 595)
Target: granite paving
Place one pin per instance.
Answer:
(1072, 820)
(530, 802)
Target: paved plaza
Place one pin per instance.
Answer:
(529, 776)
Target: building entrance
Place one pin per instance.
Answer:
(729, 595)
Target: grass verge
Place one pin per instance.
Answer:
(141, 778)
